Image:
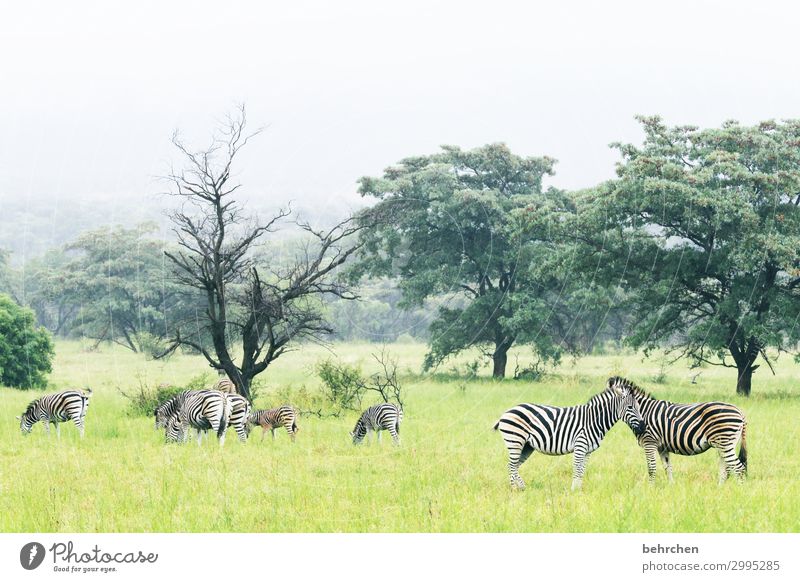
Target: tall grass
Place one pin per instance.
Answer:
(449, 475)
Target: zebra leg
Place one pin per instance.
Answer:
(395, 436)
(291, 432)
(579, 457)
(378, 432)
(46, 424)
(728, 462)
(650, 457)
(58, 431)
(667, 465)
(516, 456)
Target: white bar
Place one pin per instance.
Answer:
(410, 557)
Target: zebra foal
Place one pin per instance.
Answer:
(380, 417)
(691, 429)
(54, 408)
(269, 420)
(578, 430)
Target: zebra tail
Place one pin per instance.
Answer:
(226, 414)
(743, 448)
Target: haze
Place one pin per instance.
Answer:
(91, 91)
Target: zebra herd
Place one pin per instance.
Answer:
(660, 427)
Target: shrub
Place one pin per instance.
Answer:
(343, 384)
(145, 398)
(26, 351)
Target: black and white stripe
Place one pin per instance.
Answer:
(554, 430)
(199, 409)
(55, 408)
(269, 420)
(377, 418)
(240, 413)
(225, 385)
(691, 429)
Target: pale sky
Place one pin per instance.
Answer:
(90, 92)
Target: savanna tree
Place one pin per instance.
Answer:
(254, 309)
(472, 225)
(702, 229)
(116, 279)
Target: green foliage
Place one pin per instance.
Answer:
(144, 399)
(702, 230)
(123, 287)
(471, 226)
(26, 351)
(343, 385)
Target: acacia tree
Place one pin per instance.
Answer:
(702, 229)
(472, 225)
(256, 311)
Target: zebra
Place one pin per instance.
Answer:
(284, 416)
(386, 416)
(199, 409)
(558, 431)
(176, 429)
(691, 429)
(240, 414)
(54, 408)
(225, 384)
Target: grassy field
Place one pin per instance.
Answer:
(449, 475)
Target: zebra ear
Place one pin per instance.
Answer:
(19, 418)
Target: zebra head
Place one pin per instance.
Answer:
(627, 406)
(359, 432)
(28, 418)
(175, 429)
(163, 413)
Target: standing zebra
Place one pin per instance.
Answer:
(558, 431)
(55, 408)
(269, 420)
(380, 417)
(691, 429)
(198, 409)
(240, 413)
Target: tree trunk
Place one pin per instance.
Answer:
(499, 361)
(744, 379)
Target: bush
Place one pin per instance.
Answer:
(343, 385)
(26, 351)
(145, 399)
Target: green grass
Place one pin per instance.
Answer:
(449, 475)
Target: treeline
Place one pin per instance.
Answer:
(693, 248)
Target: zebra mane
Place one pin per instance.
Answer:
(31, 406)
(638, 391)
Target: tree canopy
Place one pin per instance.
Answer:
(473, 225)
(702, 229)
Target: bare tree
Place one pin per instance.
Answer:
(264, 312)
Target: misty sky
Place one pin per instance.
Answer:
(91, 91)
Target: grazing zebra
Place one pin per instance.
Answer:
(380, 417)
(269, 420)
(240, 413)
(176, 429)
(558, 431)
(691, 429)
(55, 408)
(198, 409)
